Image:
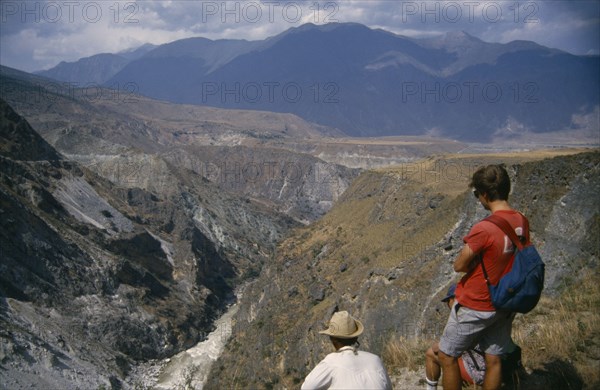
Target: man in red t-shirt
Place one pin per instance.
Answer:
(473, 319)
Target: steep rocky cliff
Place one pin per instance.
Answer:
(96, 277)
(385, 252)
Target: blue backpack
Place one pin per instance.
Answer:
(519, 290)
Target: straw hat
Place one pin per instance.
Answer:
(343, 326)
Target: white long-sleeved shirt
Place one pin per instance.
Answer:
(345, 370)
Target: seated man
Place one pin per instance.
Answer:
(471, 362)
(347, 367)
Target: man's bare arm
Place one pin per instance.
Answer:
(464, 260)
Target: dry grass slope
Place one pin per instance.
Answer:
(560, 340)
(563, 333)
(384, 253)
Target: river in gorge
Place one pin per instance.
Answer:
(188, 369)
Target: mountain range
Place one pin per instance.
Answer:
(366, 82)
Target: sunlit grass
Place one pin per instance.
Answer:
(403, 352)
(565, 328)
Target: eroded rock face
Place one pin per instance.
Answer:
(96, 277)
(155, 146)
(385, 254)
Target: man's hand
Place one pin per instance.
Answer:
(465, 259)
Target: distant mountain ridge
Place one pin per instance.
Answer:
(369, 82)
(96, 69)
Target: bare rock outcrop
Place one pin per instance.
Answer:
(96, 277)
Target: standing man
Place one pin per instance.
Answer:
(473, 319)
(347, 367)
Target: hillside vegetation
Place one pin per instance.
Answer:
(384, 252)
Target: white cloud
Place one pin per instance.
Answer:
(413, 33)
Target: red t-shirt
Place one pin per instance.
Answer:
(489, 242)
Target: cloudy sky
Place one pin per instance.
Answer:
(36, 35)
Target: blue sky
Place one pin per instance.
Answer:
(37, 35)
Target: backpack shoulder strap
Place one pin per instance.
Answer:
(509, 231)
(506, 228)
